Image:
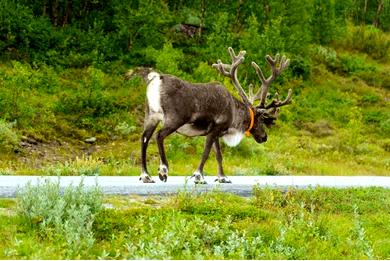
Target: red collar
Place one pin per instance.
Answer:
(252, 115)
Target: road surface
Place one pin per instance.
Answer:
(241, 185)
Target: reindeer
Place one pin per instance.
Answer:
(208, 109)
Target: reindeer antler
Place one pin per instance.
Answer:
(265, 83)
(230, 70)
(278, 65)
(278, 103)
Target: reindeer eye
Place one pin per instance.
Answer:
(269, 121)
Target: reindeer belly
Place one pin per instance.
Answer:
(192, 130)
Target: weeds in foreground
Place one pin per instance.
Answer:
(273, 224)
(83, 166)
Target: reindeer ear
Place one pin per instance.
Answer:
(260, 111)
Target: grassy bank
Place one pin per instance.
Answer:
(306, 224)
(337, 124)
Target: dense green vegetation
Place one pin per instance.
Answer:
(295, 224)
(63, 67)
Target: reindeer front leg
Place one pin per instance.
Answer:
(169, 127)
(221, 176)
(198, 174)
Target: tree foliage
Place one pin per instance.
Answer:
(79, 33)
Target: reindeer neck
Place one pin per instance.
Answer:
(241, 116)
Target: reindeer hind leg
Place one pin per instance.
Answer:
(151, 122)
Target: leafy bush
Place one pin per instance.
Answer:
(15, 21)
(24, 92)
(220, 38)
(300, 66)
(168, 59)
(204, 73)
(9, 140)
(62, 215)
(325, 55)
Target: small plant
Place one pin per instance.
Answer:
(124, 128)
(66, 215)
(6, 172)
(326, 55)
(362, 243)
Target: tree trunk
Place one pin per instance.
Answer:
(378, 13)
(202, 17)
(44, 10)
(266, 11)
(364, 12)
(238, 15)
(68, 12)
(54, 13)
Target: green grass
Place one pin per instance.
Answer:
(316, 223)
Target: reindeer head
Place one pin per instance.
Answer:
(262, 115)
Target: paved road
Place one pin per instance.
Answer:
(241, 185)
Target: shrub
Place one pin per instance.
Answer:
(24, 94)
(204, 73)
(325, 55)
(9, 140)
(14, 20)
(64, 215)
(220, 39)
(300, 66)
(166, 59)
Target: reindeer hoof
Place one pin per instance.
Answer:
(163, 173)
(199, 179)
(201, 182)
(146, 178)
(223, 180)
(163, 177)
